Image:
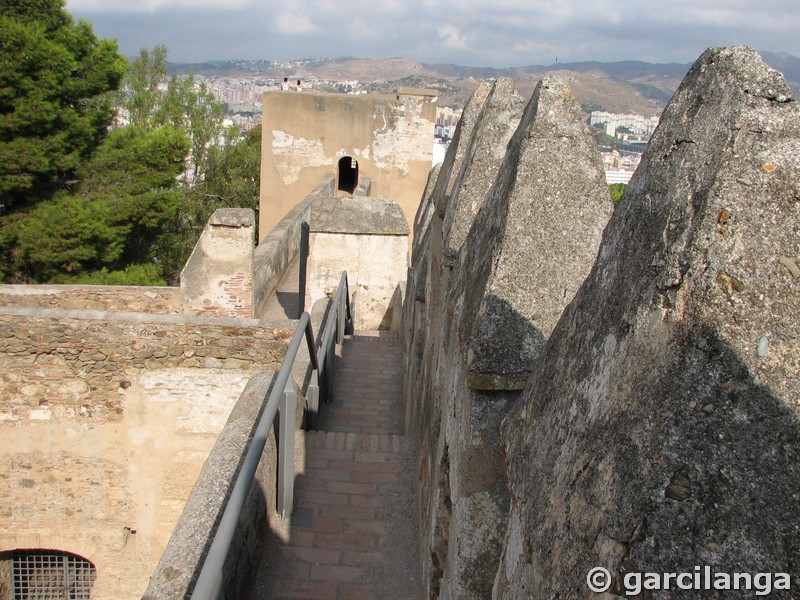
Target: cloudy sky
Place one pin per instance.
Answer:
(497, 33)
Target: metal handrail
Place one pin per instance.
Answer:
(342, 320)
(209, 582)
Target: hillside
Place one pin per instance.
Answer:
(623, 87)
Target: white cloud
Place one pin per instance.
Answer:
(292, 24)
(151, 6)
(452, 37)
(500, 33)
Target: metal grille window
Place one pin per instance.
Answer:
(51, 575)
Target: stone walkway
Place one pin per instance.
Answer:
(353, 532)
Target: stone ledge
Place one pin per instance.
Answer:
(362, 215)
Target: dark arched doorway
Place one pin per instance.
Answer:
(348, 175)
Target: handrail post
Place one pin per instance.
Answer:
(340, 314)
(303, 271)
(286, 412)
(313, 399)
(331, 356)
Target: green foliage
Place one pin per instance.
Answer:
(144, 274)
(204, 122)
(54, 110)
(233, 170)
(59, 236)
(616, 190)
(151, 99)
(135, 173)
(140, 95)
(82, 205)
(125, 199)
(231, 181)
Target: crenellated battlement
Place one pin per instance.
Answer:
(624, 395)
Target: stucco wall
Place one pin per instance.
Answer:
(305, 134)
(368, 238)
(218, 277)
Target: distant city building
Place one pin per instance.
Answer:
(615, 176)
(447, 117)
(439, 151)
(620, 166)
(445, 133)
(638, 125)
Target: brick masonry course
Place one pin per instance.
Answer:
(73, 367)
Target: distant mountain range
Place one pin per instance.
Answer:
(624, 87)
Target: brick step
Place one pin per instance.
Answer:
(352, 534)
(374, 337)
(367, 386)
(361, 444)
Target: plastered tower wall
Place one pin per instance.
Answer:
(304, 134)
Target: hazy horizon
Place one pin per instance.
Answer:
(503, 34)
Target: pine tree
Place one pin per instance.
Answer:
(54, 106)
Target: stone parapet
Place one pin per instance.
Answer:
(283, 245)
(496, 123)
(660, 431)
(153, 300)
(218, 277)
(535, 240)
(523, 218)
(76, 364)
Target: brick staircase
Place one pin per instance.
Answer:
(352, 535)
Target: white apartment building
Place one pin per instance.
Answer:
(612, 121)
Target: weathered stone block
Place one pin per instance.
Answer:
(499, 117)
(533, 242)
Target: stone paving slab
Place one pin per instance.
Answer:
(352, 535)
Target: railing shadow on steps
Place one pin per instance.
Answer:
(280, 402)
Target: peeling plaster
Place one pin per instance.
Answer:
(394, 145)
(295, 154)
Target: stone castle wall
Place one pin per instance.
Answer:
(111, 399)
(622, 396)
(68, 364)
(660, 431)
(106, 419)
(508, 246)
(150, 300)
